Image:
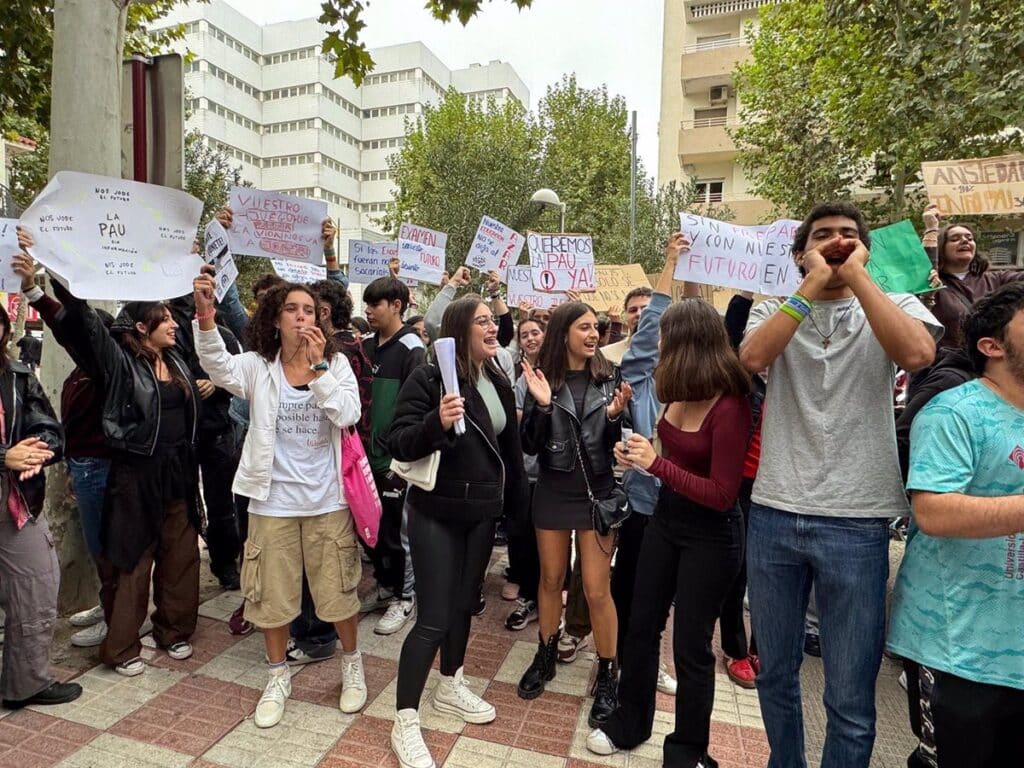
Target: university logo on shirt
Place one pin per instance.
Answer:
(1017, 457)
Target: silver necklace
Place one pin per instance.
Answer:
(826, 339)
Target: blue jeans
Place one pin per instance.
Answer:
(89, 481)
(847, 562)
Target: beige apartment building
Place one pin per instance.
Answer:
(703, 42)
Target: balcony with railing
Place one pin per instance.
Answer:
(699, 10)
(711, 62)
(706, 139)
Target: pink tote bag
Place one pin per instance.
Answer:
(360, 490)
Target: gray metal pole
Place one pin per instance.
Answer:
(632, 187)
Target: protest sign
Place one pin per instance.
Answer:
(495, 247)
(614, 281)
(217, 253)
(561, 262)
(989, 185)
(9, 248)
(276, 226)
(115, 239)
(298, 271)
(899, 263)
(733, 256)
(421, 253)
(520, 289)
(367, 261)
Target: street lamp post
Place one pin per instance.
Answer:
(548, 198)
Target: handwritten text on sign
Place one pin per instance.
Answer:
(298, 272)
(754, 259)
(276, 226)
(520, 289)
(561, 262)
(421, 253)
(9, 248)
(366, 261)
(115, 239)
(614, 281)
(993, 185)
(495, 247)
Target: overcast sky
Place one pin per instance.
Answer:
(603, 41)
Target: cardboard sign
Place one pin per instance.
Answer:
(421, 253)
(495, 247)
(367, 261)
(217, 253)
(990, 185)
(899, 263)
(9, 248)
(754, 258)
(561, 262)
(276, 226)
(520, 289)
(614, 282)
(115, 239)
(298, 272)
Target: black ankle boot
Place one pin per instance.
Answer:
(542, 670)
(604, 692)
(706, 762)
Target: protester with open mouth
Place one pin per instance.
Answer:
(451, 527)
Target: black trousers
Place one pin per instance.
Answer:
(627, 558)
(523, 557)
(450, 560)
(218, 459)
(963, 724)
(389, 556)
(690, 555)
(734, 631)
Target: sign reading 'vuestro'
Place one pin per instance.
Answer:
(276, 226)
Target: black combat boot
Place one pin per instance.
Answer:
(605, 692)
(542, 670)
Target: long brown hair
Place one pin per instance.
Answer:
(697, 361)
(553, 357)
(979, 264)
(5, 338)
(457, 323)
(263, 336)
(151, 314)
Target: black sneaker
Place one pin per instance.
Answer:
(500, 535)
(706, 762)
(481, 604)
(57, 693)
(524, 614)
(812, 645)
(230, 580)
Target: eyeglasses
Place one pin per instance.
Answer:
(484, 322)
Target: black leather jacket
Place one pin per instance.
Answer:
(481, 474)
(551, 433)
(28, 414)
(131, 406)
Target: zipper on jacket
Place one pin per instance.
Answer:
(501, 499)
(159, 408)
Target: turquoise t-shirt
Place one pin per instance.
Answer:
(959, 603)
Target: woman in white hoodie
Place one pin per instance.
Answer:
(301, 394)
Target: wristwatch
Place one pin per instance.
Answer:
(321, 366)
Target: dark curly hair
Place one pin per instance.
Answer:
(262, 335)
(334, 295)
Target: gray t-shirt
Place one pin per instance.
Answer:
(828, 436)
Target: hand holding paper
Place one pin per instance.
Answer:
(445, 350)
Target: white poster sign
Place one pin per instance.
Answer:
(115, 239)
(9, 248)
(495, 247)
(367, 261)
(421, 253)
(753, 258)
(520, 289)
(562, 262)
(298, 271)
(217, 253)
(276, 226)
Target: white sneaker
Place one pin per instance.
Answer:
(180, 650)
(377, 599)
(666, 683)
(453, 696)
(270, 709)
(90, 636)
(353, 683)
(599, 743)
(395, 617)
(87, 618)
(903, 680)
(407, 741)
(131, 668)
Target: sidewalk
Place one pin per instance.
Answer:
(198, 712)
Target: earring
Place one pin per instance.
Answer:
(277, 331)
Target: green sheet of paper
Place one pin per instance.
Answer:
(899, 263)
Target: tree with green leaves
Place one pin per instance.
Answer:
(345, 25)
(862, 93)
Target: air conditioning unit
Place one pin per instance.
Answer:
(719, 94)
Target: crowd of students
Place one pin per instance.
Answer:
(677, 459)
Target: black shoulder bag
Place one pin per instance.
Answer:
(609, 514)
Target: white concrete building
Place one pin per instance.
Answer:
(268, 97)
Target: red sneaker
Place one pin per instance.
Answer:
(756, 664)
(741, 672)
(237, 625)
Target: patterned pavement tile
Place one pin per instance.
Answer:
(302, 738)
(244, 663)
(571, 679)
(647, 755)
(30, 739)
(385, 646)
(383, 706)
(367, 744)
(736, 705)
(222, 606)
(191, 716)
(109, 751)
(320, 683)
(107, 697)
(211, 638)
(546, 724)
(474, 753)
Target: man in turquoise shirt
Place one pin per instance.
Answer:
(958, 613)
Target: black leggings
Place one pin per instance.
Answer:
(450, 561)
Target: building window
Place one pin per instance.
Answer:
(704, 118)
(709, 190)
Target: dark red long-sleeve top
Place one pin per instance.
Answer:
(706, 466)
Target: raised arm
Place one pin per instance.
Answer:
(337, 392)
(435, 312)
(329, 233)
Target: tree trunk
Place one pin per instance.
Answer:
(85, 131)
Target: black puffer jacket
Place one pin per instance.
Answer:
(33, 416)
(481, 474)
(551, 434)
(131, 406)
